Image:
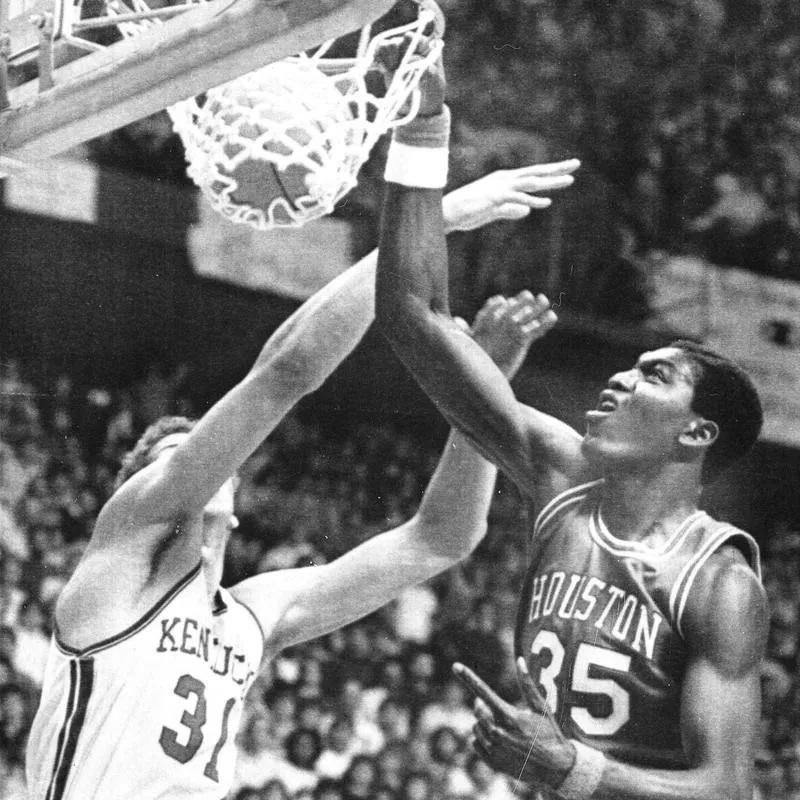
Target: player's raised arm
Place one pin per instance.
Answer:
(297, 605)
(297, 359)
(413, 311)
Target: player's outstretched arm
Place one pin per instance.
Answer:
(302, 354)
(720, 709)
(412, 308)
(296, 605)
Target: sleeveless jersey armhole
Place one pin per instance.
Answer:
(258, 625)
(679, 596)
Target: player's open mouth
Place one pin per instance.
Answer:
(606, 404)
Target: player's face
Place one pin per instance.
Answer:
(643, 411)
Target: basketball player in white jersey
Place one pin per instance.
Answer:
(642, 622)
(151, 659)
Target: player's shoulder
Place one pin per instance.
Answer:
(727, 614)
(558, 463)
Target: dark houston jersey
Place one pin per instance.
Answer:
(600, 625)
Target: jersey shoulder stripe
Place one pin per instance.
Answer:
(685, 580)
(81, 680)
(561, 502)
(131, 630)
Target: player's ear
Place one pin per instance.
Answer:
(699, 433)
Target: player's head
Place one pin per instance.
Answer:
(160, 436)
(681, 404)
(724, 393)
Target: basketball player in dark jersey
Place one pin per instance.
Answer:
(642, 622)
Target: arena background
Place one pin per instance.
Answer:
(684, 220)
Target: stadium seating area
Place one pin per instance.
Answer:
(684, 114)
(370, 712)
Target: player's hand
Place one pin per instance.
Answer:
(505, 194)
(525, 743)
(506, 327)
(432, 85)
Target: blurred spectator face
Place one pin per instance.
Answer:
(13, 712)
(393, 719)
(256, 735)
(393, 676)
(273, 790)
(311, 677)
(32, 616)
(8, 642)
(351, 696)
(417, 787)
(360, 777)
(358, 643)
(419, 754)
(12, 572)
(303, 748)
(454, 695)
(283, 706)
(6, 671)
(309, 715)
(249, 794)
(88, 502)
(422, 666)
(444, 745)
(392, 762)
(328, 790)
(340, 735)
(480, 772)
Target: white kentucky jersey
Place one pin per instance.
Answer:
(151, 712)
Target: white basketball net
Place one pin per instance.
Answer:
(280, 146)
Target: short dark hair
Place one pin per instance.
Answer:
(141, 455)
(723, 393)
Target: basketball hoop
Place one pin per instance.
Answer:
(279, 147)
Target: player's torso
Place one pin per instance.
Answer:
(599, 624)
(152, 712)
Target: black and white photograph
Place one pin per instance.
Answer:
(399, 400)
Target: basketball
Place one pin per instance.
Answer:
(282, 138)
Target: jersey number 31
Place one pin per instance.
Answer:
(188, 686)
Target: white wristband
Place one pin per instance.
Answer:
(422, 167)
(584, 777)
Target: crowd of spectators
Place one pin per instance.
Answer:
(685, 116)
(370, 712)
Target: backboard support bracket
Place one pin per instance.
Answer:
(208, 45)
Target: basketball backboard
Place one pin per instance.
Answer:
(82, 88)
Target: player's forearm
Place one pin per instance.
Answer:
(320, 334)
(412, 258)
(328, 326)
(456, 503)
(624, 782)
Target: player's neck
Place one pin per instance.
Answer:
(637, 505)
